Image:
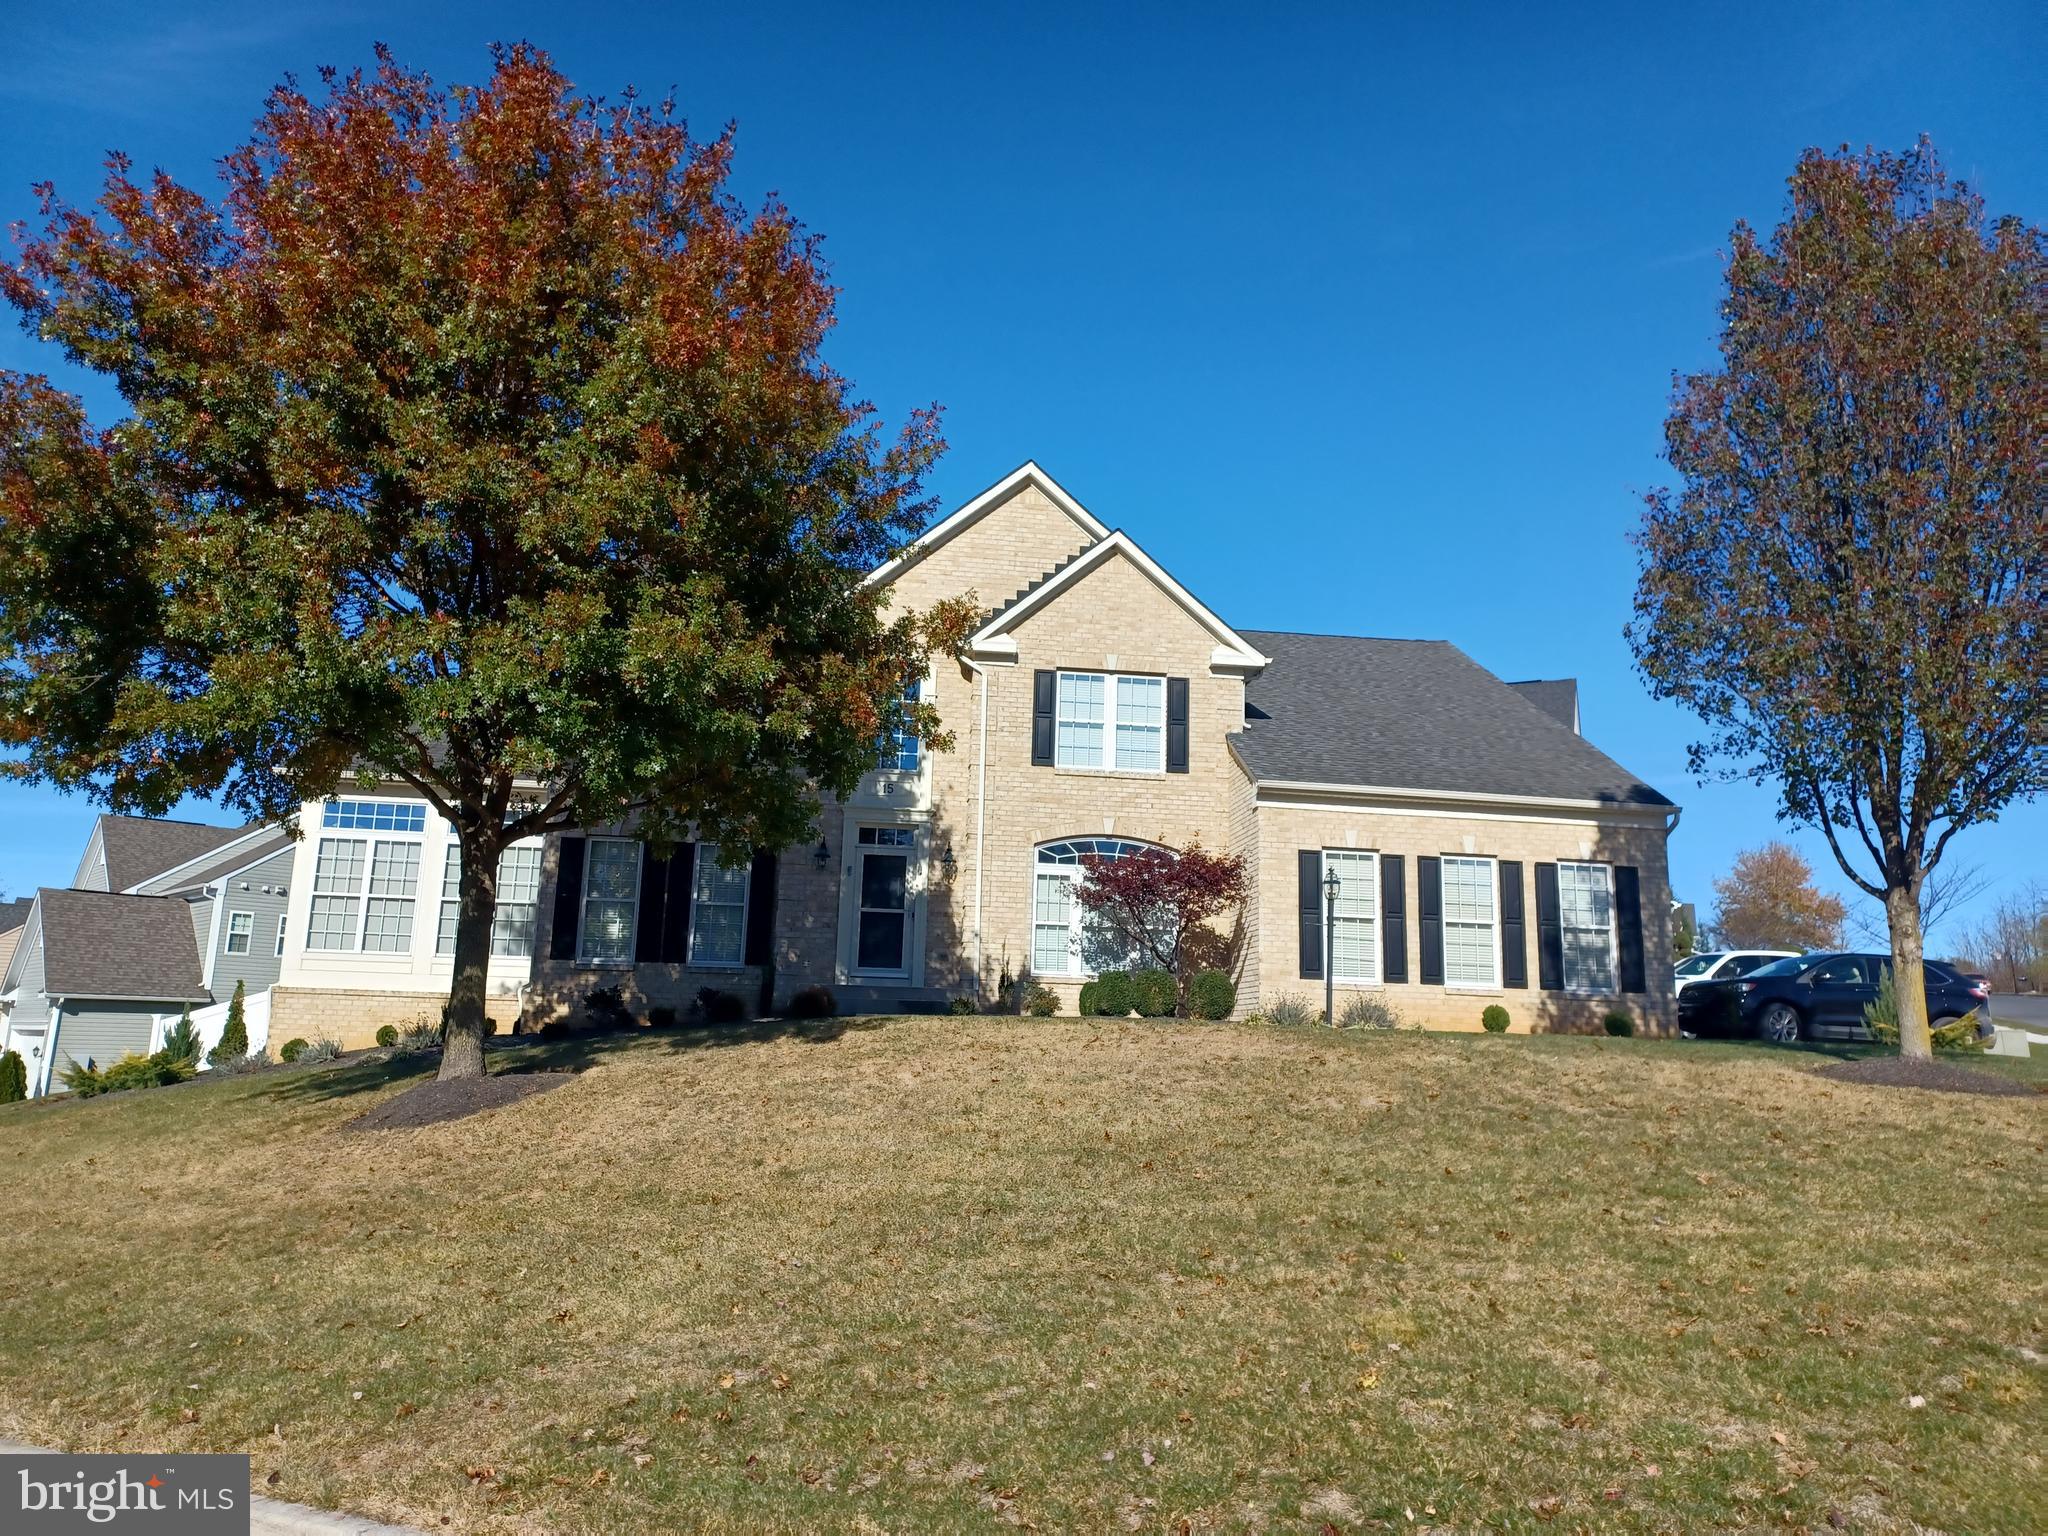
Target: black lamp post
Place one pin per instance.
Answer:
(1331, 886)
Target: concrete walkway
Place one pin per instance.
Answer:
(270, 1517)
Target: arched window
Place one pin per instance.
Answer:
(1065, 941)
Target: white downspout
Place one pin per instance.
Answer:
(980, 809)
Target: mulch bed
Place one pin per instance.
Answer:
(437, 1102)
(1898, 1072)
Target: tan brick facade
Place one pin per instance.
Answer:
(353, 1015)
(985, 802)
(1527, 836)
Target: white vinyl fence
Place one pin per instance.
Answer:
(213, 1018)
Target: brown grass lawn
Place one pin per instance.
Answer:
(965, 1273)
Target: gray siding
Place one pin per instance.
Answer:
(101, 1032)
(257, 970)
(202, 925)
(30, 1006)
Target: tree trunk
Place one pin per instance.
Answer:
(1909, 975)
(462, 1045)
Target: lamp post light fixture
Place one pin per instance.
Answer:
(1331, 886)
(946, 862)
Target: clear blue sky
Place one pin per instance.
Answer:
(1358, 324)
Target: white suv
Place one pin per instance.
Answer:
(1725, 964)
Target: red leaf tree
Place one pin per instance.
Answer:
(1164, 905)
(475, 438)
(1851, 586)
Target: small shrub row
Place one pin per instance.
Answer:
(134, 1070)
(1152, 994)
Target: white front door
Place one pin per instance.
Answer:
(884, 901)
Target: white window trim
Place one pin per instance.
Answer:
(1109, 763)
(227, 938)
(1613, 934)
(1378, 921)
(583, 956)
(1073, 874)
(746, 912)
(1493, 884)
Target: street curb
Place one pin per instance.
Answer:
(271, 1517)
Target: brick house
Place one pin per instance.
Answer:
(1485, 851)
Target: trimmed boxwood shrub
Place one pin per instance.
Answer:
(819, 1003)
(1157, 997)
(387, 1034)
(1494, 1020)
(1619, 1022)
(1111, 995)
(722, 1007)
(1211, 995)
(289, 1051)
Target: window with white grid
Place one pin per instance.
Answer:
(1471, 946)
(518, 899)
(1355, 925)
(718, 910)
(611, 899)
(394, 885)
(1585, 909)
(338, 869)
(241, 929)
(1067, 939)
(1105, 720)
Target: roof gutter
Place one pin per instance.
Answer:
(1452, 796)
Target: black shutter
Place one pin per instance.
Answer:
(1628, 918)
(760, 910)
(1549, 931)
(1176, 725)
(1393, 917)
(1042, 686)
(1514, 944)
(654, 878)
(568, 898)
(1429, 913)
(675, 914)
(1312, 914)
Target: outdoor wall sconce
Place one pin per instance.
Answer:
(823, 854)
(946, 863)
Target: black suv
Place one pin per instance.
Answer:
(1820, 997)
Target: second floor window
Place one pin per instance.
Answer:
(901, 748)
(1107, 720)
(241, 928)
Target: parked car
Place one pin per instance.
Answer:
(1819, 997)
(1725, 964)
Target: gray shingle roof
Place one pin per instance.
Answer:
(226, 864)
(140, 846)
(13, 914)
(100, 944)
(1413, 714)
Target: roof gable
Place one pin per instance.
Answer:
(1232, 653)
(138, 848)
(950, 527)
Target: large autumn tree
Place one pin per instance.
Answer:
(476, 438)
(1848, 587)
(1768, 900)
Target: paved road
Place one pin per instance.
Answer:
(2029, 1012)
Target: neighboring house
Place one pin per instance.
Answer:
(13, 918)
(1484, 850)
(369, 929)
(160, 915)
